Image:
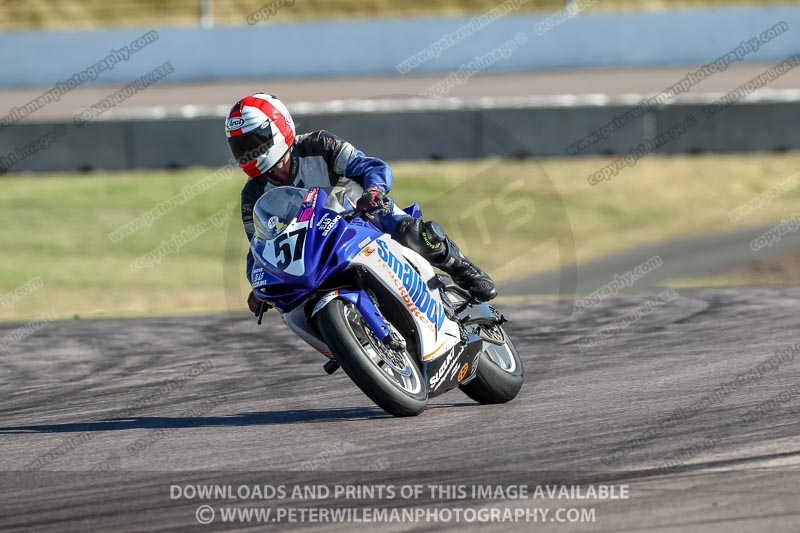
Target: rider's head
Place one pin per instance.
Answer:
(260, 134)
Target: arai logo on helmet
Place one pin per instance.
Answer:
(235, 123)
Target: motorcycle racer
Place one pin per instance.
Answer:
(261, 136)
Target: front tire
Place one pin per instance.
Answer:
(359, 354)
(500, 374)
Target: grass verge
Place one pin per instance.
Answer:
(71, 14)
(513, 217)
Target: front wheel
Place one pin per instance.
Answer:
(499, 376)
(391, 379)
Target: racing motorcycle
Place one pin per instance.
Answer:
(376, 309)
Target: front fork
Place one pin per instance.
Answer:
(361, 299)
(469, 312)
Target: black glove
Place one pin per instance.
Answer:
(255, 304)
(372, 198)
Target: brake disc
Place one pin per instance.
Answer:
(393, 358)
(493, 335)
(396, 361)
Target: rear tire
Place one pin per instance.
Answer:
(362, 369)
(494, 384)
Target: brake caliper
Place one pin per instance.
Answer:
(394, 341)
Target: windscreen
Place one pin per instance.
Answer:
(276, 209)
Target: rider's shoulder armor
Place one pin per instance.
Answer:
(321, 159)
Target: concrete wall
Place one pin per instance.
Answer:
(376, 47)
(444, 134)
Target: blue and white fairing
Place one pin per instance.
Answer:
(298, 244)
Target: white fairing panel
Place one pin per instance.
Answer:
(290, 240)
(394, 265)
(296, 320)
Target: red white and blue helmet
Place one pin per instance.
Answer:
(260, 131)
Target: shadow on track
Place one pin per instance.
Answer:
(292, 416)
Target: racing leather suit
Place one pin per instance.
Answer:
(321, 159)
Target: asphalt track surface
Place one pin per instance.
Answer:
(688, 257)
(94, 432)
(542, 83)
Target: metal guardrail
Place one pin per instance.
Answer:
(523, 127)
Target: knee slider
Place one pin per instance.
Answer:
(433, 233)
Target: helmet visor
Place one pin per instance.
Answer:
(249, 146)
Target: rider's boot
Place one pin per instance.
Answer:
(430, 241)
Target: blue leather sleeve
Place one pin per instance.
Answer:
(371, 171)
(250, 263)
